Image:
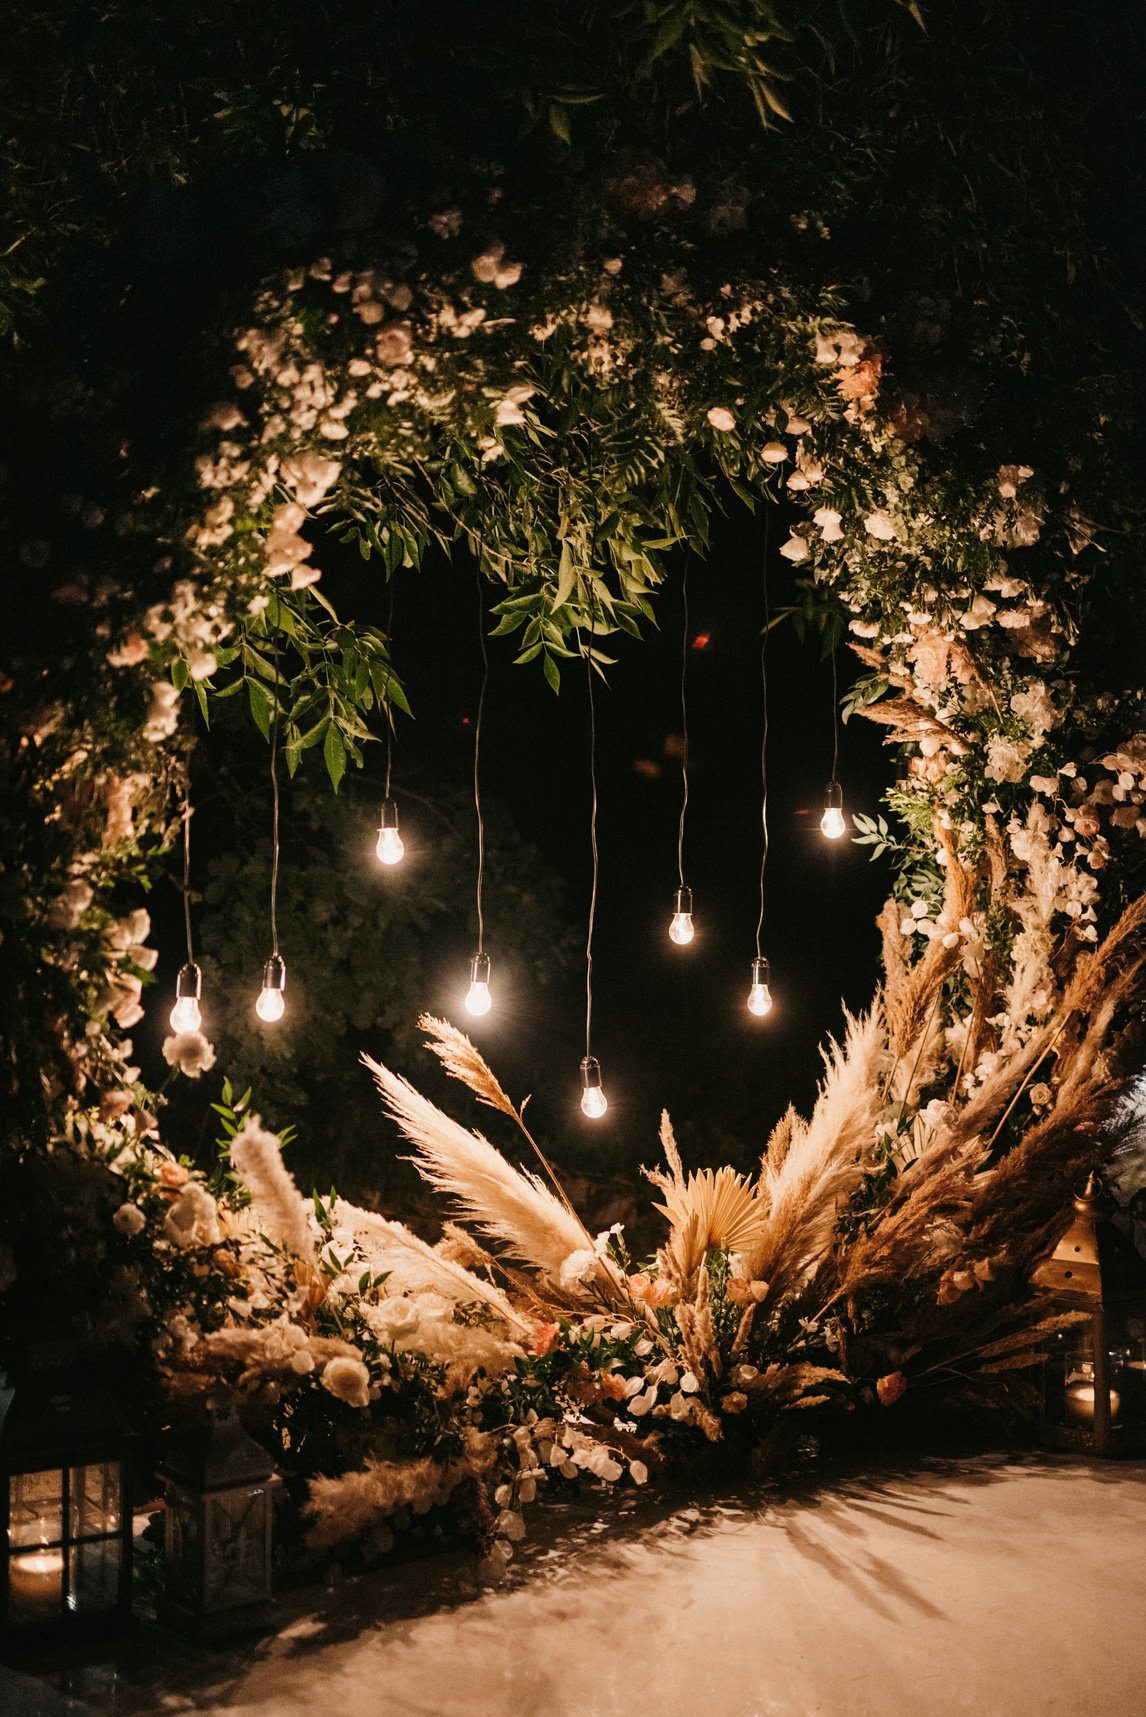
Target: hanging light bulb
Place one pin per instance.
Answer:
(593, 1099)
(390, 848)
(185, 1015)
(271, 1004)
(832, 822)
(681, 930)
(760, 996)
(478, 998)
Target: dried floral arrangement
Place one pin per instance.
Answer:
(881, 1248)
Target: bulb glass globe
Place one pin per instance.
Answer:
(680, 930)
(185, 1015)
(759, 1000)
(832, 823)
(593, 1102)
(478, 999)
(271, 1005)
(391, 848)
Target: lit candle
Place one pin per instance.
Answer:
(1080, 1402)
(37, 1581)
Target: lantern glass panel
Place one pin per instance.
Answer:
(35, 1514)
(96, 1496)
(94, 1569)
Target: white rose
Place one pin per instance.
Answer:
(396, 1318)
(347, 1380)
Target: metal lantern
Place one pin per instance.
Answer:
(219, 1486)
(65, 1510)
(1094, 1375)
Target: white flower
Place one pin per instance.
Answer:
(190, 1052)
(577, 1266)
(721, 418)
(347, 1380)
(1010, 477)
(1036, 707)
(162, 712)
(772, 452)
(1006, 758)
(129, 1219)
(795, 549)
(396, 1318)
(879, 525)
(978, 614)
(193, 1219)
(1040, 1095)
(310, 476)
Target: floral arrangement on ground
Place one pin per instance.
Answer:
(880, 1253)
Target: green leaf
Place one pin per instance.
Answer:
(334, 755)
(261, 708)
(551, 671)
(180, 674)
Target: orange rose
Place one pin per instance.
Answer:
(545, 1338)
(891, 1388)
(173, 1174)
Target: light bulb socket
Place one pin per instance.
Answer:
(274, 973)
(835, 797)
(388, 816)
(590, 1073)
(682, 902)
(189, 983)
(479, 969)
(761, 972)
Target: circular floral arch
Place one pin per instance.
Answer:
(571, 421)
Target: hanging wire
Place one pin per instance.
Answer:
(835, 716)
(587, 651)
(187, 875)
(389, 711)
(275, 817)
(684, 729)
(763, 747)
(477, 756)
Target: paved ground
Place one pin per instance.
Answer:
(994, 1588)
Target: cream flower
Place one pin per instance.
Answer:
(193, 1219)
(347, 1380)
(190, 1052)
(795, 549)
(721, 418)
(879, 525)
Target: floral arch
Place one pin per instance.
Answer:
(572, 423)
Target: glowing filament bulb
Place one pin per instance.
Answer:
(593, 1099)
(760, 996)
(478, 998)
(185, 1015)
(832, 822)
(390, 847)
(681, 930)
(271, 1004)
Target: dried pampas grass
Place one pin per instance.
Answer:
(509, 1205)
(281, 1210)
(715, 1207)
(822, 1163)
(413, 1264)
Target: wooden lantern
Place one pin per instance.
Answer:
(1094, 1374)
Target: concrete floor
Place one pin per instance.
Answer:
(986, 1586)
